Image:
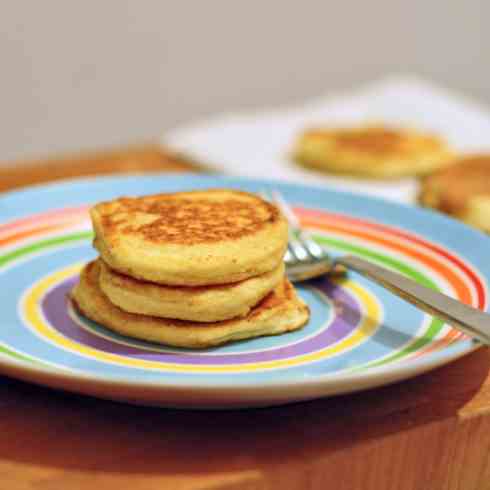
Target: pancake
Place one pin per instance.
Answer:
(280, 311)
(462, 191)
(372, 152)
(190, 238)
(199, 303)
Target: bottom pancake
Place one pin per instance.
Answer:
(281, 311)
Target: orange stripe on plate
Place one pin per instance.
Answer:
(456, 282)
(33, 232)
(39, 218)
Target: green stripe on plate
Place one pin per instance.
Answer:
(27, 250)
(17, 355)
(43, 244)
(435, 325)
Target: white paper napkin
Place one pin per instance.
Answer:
(258, 144)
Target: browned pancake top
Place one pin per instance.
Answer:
(468, 177)
(373, 141)
(175, 218)
(377, 140)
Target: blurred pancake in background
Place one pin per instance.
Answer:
(462, 190)
(372, 151)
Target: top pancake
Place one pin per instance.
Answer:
(462, 190)
(372, 151)
(190, 238)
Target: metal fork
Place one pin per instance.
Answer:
(306, 259)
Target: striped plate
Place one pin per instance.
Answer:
(359, 336)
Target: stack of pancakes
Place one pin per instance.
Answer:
(190, 269)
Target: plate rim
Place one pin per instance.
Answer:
(398, 370)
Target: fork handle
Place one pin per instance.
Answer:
(470, 320)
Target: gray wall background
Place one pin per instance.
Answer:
(88, 74)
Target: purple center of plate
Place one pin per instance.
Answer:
(345, 319)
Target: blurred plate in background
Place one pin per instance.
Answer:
(259, 144)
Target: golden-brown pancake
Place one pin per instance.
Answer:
(462, 190)
(280, 311)
(190, 238)
(198, 303)
(372, 151)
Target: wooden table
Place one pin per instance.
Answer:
(429, 433)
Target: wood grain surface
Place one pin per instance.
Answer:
(429, 433)
(132, 159)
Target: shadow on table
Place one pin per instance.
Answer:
(49, 428)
